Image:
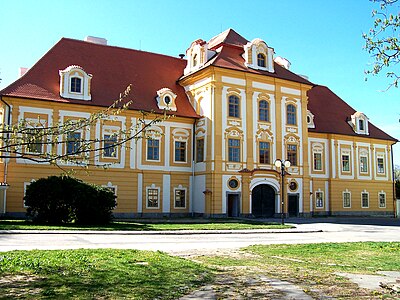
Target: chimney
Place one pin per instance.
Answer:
(22, 71)
(95, 40)
(283, 62)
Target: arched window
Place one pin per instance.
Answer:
(261, 60)
(291, 114)
(263, 111)
(234, 106)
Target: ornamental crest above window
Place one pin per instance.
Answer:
(75, 83)
(166, 99)
(259, 56)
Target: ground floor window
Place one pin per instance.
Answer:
(346, 199)
(319, 199)
(180, 198)
(382, 200)
(152, 198)
(364, 199)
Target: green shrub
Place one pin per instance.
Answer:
(64, 199)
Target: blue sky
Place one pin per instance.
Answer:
(322, 39)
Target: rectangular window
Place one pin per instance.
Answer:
(76, 85)
(317, 161)
(153, 149)
(152, 198)
(180, 198)
(292, 154)
(200, 150)
(363, 164)
(364, 200)
(345, 163)
(380, 167)
(382, 200)
(34, 141)
(109, 141)
(234, 150)
(319, 199)
(234, 110)
(180, 151)
(346, 200)
(74, 142)
(264, 153)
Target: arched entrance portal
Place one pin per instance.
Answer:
(263, 201)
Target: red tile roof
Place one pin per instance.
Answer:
(331, 114)
(113, 69)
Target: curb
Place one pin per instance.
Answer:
(166, 232)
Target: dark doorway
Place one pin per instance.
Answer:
(263, 201)
(293, 208)
(233, 205)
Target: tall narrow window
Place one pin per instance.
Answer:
(234, 110)
(292, 154)
(263, 111)
(153, 149)
(180, 151)
(319, 199)
(200, 150)
(109, 141)
(234, 150)
(346, 200)
(291, 114)
(180, 198)
(381, 166)
(363, 164)
(76, 85)
(73, 142)
(364, 200)
(361, 125)
(345, 163)
(382, 200)
(317, 161)
(152, 198)
(264, 153)
(194, 60)
(261, 60)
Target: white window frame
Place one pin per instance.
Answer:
(152, 187)
(180, 188)
(322, 199)
(111, 187)
(366, 163)
(349, 193)
(159, 147)
(378, 171)
(379, 199)
(364, 192)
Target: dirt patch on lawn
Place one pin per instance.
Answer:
(18, 286)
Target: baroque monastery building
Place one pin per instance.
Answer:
(237, 109)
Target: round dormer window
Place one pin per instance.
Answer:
(233, 183)
(167, 100)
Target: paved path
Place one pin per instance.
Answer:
(307, 231)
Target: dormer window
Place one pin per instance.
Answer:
(194, 64)
(75, 83)
(166, 99)
(259, 56)
(310, 119)
(359, 122)
(261, 60)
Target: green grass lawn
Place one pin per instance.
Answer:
(191, 224)
(314, 266)
(97, 274)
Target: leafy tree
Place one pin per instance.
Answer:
(64, 199)
(397, 180)
(26, 139)
(382, 41)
